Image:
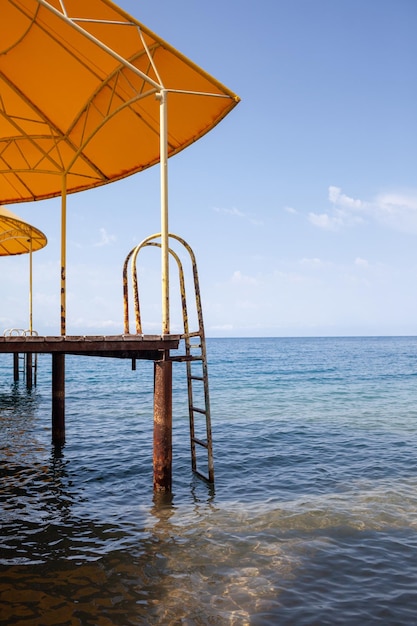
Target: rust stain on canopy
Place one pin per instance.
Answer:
(79, 85)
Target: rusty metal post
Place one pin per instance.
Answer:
(58, 398)
(15, 367)
(162, 434)
(28, 363)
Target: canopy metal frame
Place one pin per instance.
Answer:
(148, 87)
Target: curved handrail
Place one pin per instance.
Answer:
(132, 256)
(20, 332)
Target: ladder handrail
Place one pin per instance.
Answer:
(182, 287)
(132, 255)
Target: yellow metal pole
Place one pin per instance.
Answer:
(63, 252)
(164, 210)
(30, 286)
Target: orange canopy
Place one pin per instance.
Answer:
(80, 82)
(17, 236)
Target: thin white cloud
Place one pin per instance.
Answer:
(397, 211)
(105, 238)
(394, 210)
(345, 212)
(326, 221)
(236, 213)
(247, 305)
(81, 322)
(242, 279)
(221, 327)
(314, 262)
(340, 199)
(232, 211)
(288, 277)
(397, 199)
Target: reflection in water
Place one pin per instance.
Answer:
(58, 568)
(17, 410)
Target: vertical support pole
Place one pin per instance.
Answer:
(162, 434)
(163, 140)
(63, 253)
(30, 286)
(58, 398)
(28, 361)
(15, 367)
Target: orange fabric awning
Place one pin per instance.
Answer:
(17, 236)
(79, 85)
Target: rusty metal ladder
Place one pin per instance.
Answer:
(195, 354)
(196, 357)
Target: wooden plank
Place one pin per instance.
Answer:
(90, 344)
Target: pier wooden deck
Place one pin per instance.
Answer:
(119, 346)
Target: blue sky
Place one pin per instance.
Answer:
(301, 206)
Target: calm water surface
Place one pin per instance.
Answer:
(312, 519)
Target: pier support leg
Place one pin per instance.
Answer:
(29, 370)
(15, 367)
(162, 434)
(58, 398)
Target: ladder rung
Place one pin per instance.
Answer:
(194, 408)
(203, 476)
(185, 357)
(197, 378)
(200, 442)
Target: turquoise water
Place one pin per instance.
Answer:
(312, 519)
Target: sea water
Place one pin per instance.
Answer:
(312, 519)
